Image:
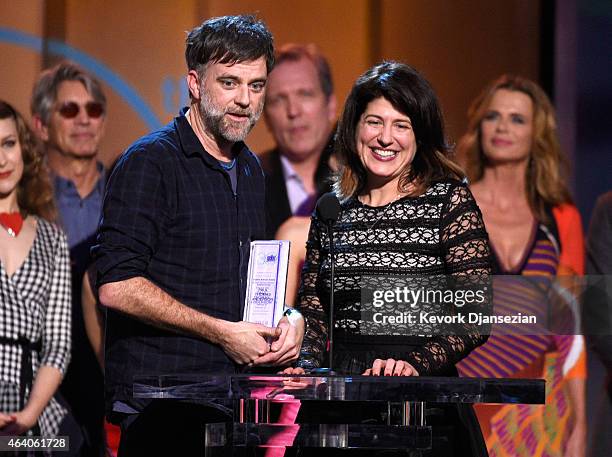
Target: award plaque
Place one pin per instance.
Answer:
(266, 282)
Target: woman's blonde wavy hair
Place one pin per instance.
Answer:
(34, 191)
(545, 180)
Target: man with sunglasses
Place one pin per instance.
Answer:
(68, 112)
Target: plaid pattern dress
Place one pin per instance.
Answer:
(35, 309)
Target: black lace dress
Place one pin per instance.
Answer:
(440, 232)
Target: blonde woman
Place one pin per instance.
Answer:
(513, 160)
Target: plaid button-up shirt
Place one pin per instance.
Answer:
(170, 216)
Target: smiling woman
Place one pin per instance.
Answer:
(385, 144)
(34, 289)
(407, 109)
(514, 162)
(507, 127)
(404, 213)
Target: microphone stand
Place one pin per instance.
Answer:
(331, 298)
(329, 371)
(328, 208)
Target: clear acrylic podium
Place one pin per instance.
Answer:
(251, 397)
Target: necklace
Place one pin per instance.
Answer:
(384, 211)
(11, 222)
(228, 165)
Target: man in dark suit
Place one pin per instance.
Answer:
(300, 110)
(597, 318)
(599, 263)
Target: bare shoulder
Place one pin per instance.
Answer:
(294, 228)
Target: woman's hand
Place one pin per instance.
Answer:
(291, 370)
(47, 380)
(294, 383)
(16, 423)
(391, 367)
(6, 420)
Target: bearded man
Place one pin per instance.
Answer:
(181, 208)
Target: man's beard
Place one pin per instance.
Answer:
(222, 127)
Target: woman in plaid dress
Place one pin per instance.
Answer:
(35, 291)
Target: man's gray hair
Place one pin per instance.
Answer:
(44, 94)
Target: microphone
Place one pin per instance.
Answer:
(328, 209)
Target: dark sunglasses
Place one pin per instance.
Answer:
(70, 110)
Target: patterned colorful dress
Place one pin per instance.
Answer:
(528, 430)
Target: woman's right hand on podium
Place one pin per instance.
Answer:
(292, 370)
(391, 367)
(294, 383)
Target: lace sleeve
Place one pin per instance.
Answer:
(467, 257)
(308, 303)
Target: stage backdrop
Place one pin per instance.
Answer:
(136, 48)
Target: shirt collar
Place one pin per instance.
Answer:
(191, 143)
(63, 185)
(288, 170)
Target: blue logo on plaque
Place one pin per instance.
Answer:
(263, 258)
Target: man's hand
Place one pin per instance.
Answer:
(286, 348)
(391, 367)
(244, 342)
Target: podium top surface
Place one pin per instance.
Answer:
(344, 388)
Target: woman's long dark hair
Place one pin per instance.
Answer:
(412, 95)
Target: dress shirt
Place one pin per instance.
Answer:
(170, 216)
(79, 216)
(296, 191)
